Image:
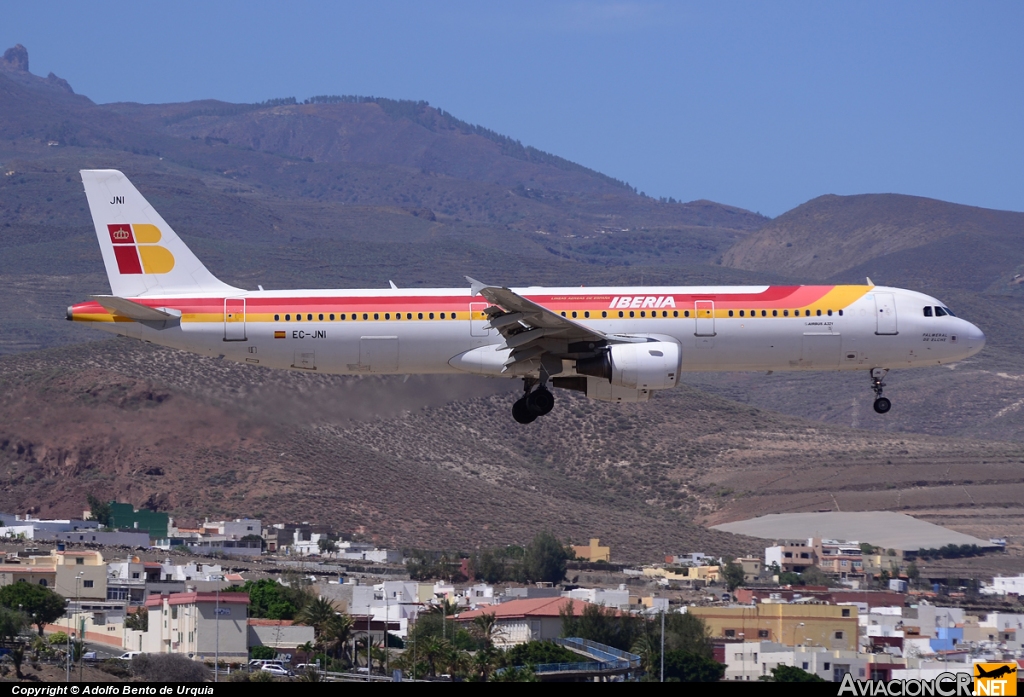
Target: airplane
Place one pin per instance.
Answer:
(999, 672)
(615, 344)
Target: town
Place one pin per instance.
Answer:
(124, 591)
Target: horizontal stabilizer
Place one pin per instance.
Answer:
(133, 310)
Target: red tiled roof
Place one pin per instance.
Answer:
(527, 607)
(27, 569)
(189, 598)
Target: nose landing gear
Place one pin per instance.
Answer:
(539, 402)
(882, 404)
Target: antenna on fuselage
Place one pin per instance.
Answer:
(392, 284)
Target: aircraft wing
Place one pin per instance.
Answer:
(534, 332)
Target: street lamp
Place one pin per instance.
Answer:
(78, 601)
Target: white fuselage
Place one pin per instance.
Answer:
(823, 328)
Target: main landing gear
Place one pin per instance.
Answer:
(532, 404)
(882, 405)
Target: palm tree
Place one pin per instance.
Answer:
(484, 663)
(487, 629)
(336, 635)
(648, 647)
(318, 614)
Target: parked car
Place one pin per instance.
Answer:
(277, 670)
(129, 655)
(90, 656)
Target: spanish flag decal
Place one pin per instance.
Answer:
(278, 335)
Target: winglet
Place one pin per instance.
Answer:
(870, 282)
(476, 286)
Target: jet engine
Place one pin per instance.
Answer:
(649, 366)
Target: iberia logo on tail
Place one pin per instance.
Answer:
(136, 250)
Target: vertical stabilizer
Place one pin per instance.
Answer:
(141, 252)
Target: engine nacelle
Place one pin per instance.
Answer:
(649, 366)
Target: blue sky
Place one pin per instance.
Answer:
(759, 105)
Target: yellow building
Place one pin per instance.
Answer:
(593, 552)
(45, 576)
(751, 567)
(707, 574)
(79, 575)
(831, 626)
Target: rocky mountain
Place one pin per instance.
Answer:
(349, 192)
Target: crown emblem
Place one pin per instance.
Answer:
(122, 234)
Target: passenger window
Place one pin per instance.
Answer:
(563, 314)
(376, 315)
(431, 315)
(604, 313)
(730, 313)
(819, 313)
(927, 311)
(775, 313)
(840, 313)
(343, 315)
(408, 315)
(320, 317)
(387, 315)
(631, 313)
(675, 313)
(830, 313)
(764, 313)
(442, 315)
(664, 313)
(939, 312)
(332, 316)
(741, 313)
(309, 317)
(452, 315)
(686, 313)
(287, 318)
(366, 316)
(277, 317)
(574, 314)
(643, 313)
(620, 313)
(785, 313)
(807, 313)
(586, 315)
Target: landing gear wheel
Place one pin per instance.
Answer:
(521, 412)
(540, 401)
(882, 405)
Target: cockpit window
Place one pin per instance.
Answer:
(928, 311)
(939, 312)
(949, 312)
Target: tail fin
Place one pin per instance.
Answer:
(142, 253)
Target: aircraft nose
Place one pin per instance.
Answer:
(974, 339)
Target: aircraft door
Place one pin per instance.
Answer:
(305, 360)
(885, 313)
(704, 311)
(820, 351)
(477, 324)
(234, 319)
(378, 354)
